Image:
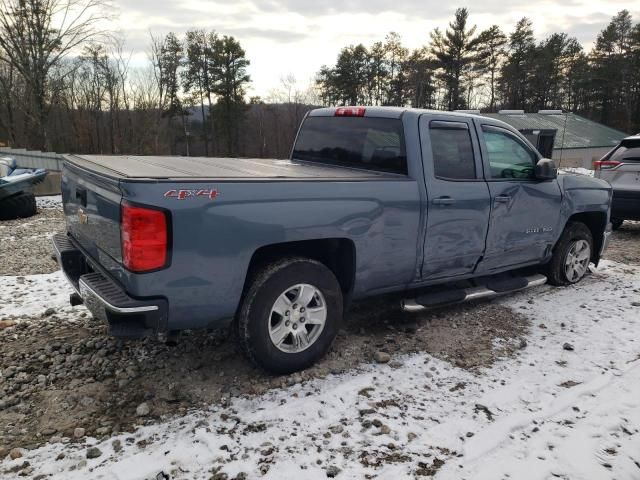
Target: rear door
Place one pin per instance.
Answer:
(458, 200)
(525, 212)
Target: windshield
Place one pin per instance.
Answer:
(360, 142)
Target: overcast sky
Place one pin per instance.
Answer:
(299, 36)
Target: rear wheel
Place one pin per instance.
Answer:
(22, 205)
(290, 315)
(571, 256)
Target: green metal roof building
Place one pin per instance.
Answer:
(578, 141)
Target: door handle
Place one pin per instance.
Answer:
(443, 201)
(503, 199)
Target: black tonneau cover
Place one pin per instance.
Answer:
(168, 167)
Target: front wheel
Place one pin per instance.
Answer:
(571, 256)
(290, 315)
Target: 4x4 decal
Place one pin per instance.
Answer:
(210, 193)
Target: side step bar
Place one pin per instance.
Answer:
(493, 288)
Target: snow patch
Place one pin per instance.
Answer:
(49, 201)
(547, 413)
(33, 294)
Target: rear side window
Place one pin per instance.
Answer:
(360, 142)
(452, 150)
(627, 151)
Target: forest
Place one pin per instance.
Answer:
(66, 85)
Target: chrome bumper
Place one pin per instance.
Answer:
(98, 305)
(104, 298)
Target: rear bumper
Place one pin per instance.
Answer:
(105, 299)
(626, 205)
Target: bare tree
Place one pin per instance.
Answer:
(35, 35)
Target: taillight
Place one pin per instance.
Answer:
(605, 164)
(144, 236)
(350, 112)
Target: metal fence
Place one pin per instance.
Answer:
(34, 158)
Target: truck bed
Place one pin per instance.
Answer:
(140, 168)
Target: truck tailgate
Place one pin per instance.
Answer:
(92, 210)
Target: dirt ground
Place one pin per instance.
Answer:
(60, 371)
(625, 244)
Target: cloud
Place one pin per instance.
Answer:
(282, 36)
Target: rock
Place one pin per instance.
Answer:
(568, 347)
(117, 445)
(7, 323)
(48, 312)
(336, 429)
(411, 436)
(523, 344)
(15, 453)
(143, 410)
(93, 452)
(633, 304)
(333, 471)
(78, 432)
(381, 357)
(384, 430)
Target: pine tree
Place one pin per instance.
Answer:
(229, 75)
(491, 53)
(455, 53)
(515, 77)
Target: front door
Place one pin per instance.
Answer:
(525, 212)
(458, 201)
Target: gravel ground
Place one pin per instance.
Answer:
(625, 244)
(60, 371)
(26, 248)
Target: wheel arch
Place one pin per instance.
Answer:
(596, 222)
(337, 254)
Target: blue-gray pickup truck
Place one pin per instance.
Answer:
(442, 207)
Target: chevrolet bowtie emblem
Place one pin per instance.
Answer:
(83, 217)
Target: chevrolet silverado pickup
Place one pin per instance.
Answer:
(439, 207)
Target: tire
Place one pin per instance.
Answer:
(22, 205)
(616, 223)
(570, 243)
(259, 320)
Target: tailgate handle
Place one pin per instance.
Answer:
(503, 199)
(81, 194)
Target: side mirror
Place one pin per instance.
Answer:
(546, 169)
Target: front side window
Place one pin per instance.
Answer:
(509, 157)
(452, 151)
(360, 142)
